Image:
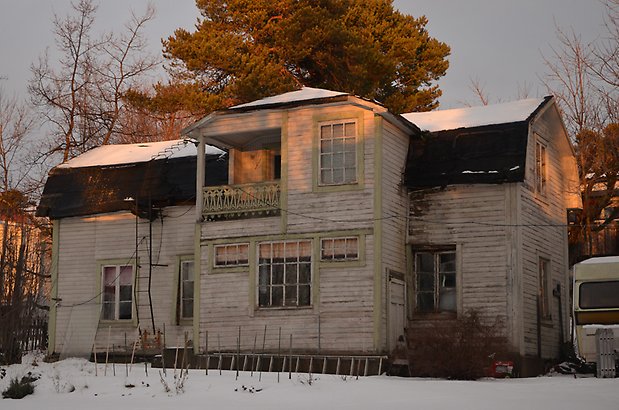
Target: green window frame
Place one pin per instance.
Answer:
(117, 291)
(186, 289)
(285, 274)
(337, 157)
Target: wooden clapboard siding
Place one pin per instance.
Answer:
(394, 214)
(86, 241)
(348, 208)
(544, 233)
(471, 217)
(344, 307)
(244, 123)
(241, 227)
(343, 313)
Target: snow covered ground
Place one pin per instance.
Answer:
(72, 384)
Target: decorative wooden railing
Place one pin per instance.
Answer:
(237, 201)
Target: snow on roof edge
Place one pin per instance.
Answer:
(468, 117)
(119, 154)
(304, 94)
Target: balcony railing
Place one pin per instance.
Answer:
(244, 200)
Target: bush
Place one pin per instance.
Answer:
(19, 389)
(459, 349)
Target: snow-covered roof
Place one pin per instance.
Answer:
(304, 94)
(468, 117)
(133, 153)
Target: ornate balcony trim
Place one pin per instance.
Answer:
(243, 200)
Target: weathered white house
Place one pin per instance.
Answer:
(336, 222)
(487, 230)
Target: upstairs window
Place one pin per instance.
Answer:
(117, 296)
(435, 281)
(541, 172)
(338, 153)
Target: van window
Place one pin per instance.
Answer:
(599, 295)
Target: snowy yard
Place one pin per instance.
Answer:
(72, 384)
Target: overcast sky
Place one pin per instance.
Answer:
(499, 43)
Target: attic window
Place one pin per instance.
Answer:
(541, 172)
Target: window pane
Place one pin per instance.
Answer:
(326, 176)
(425, 302)
(109, 275)
(264, 274)
(338, 161)
(325, 161)
(278, 274)
(425, 281)
(124, 310)
(326, 146)
(291, 274)
(187, 270)
(126, 276)
(350, 159)
(109, 294)
(291, 295)
(350, 175)
(125, 293)
(350, 129)
(263, 296)
(187, 308)
(448, 280)
(425, 262)
(447, 262)
(304, 295)
(325, 131)
(305, 273)
(107, 312)
(447, 300)
(338, 145)
(338, 176)
(338, 130)
(187, 290)
(277, 296)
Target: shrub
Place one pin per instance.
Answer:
(460, 349)
(18, 389)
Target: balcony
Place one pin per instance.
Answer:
(241, 201)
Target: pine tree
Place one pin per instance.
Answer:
(244, 50)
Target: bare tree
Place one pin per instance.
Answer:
(584, 79)
(570, 79)
(478, 89)
(82, 96)
(62, 93)
(23, 251)
(16, 123)
(125, 61)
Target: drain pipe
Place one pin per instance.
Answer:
(556, 292)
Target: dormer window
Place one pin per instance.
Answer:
(338, 152)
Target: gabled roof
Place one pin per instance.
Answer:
(114, 177)
(474, 145)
